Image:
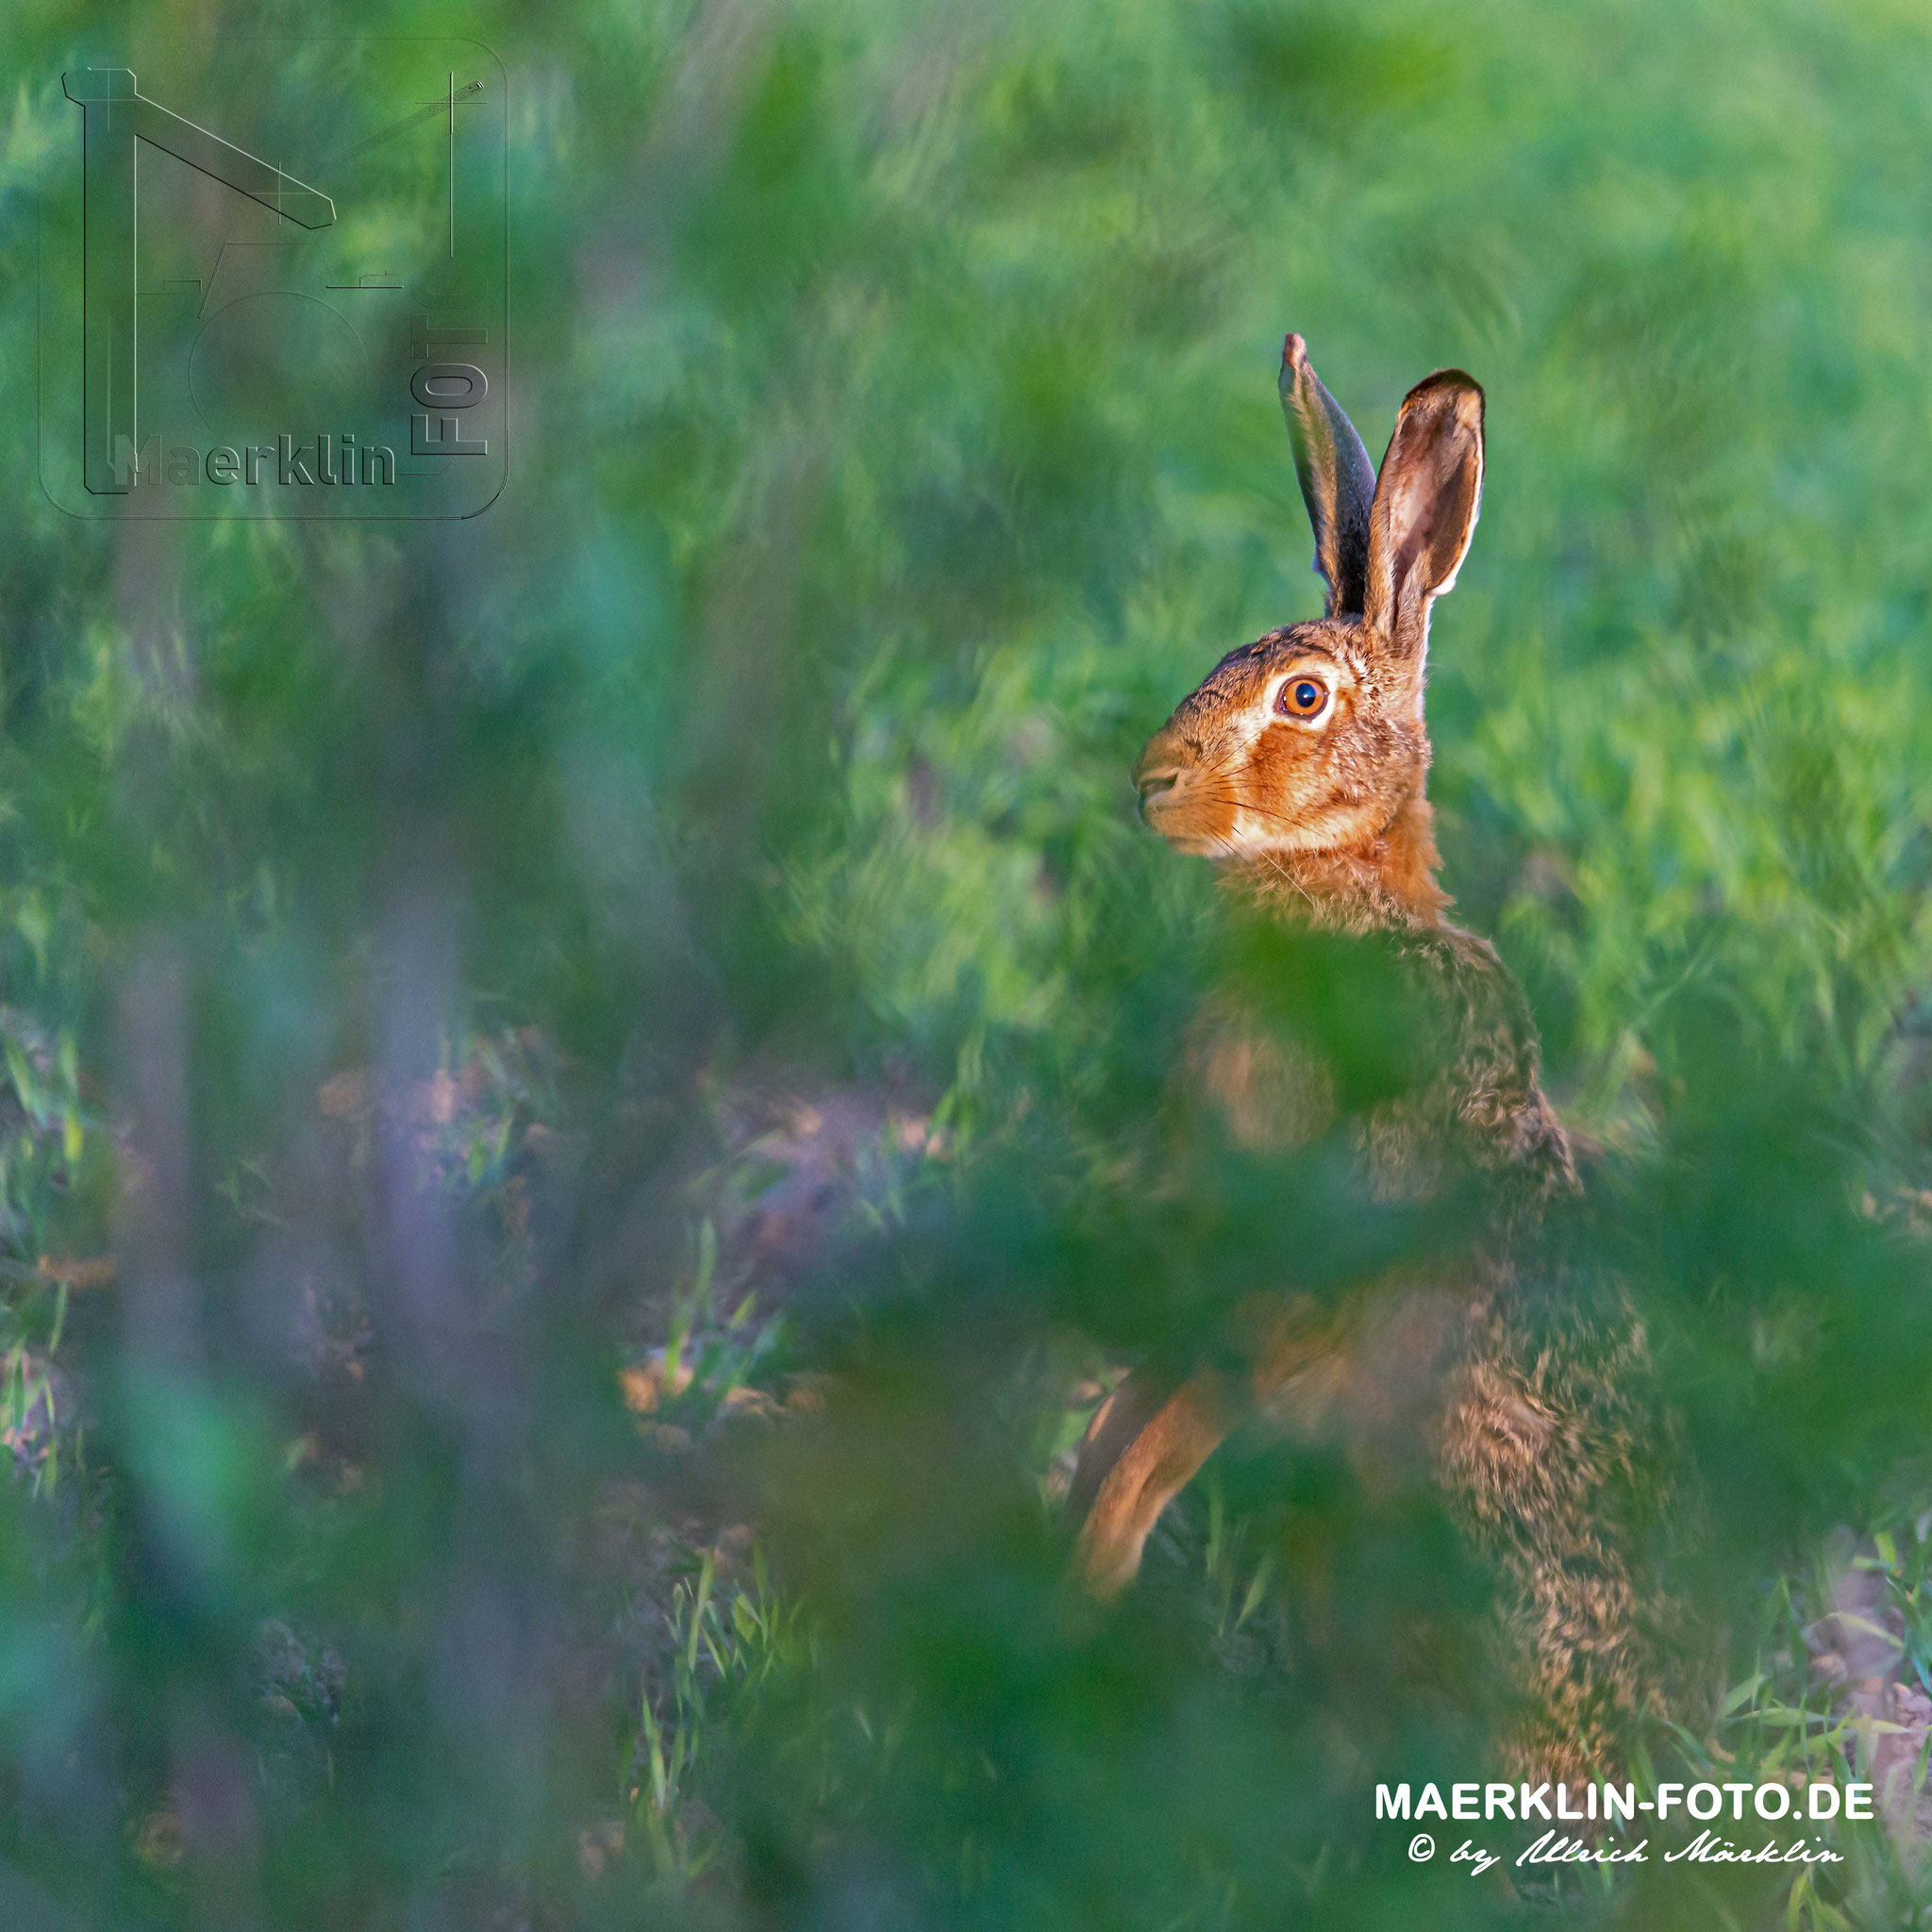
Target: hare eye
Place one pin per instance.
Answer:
(1302, 697)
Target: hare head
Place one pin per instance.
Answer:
(1305, 752)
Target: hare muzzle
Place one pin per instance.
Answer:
(1167, 780)
(1156, 778)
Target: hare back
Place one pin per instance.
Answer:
(1534, 1409)
(1475, 1095)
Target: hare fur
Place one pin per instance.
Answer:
(1300, 766)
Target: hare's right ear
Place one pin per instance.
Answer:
(1338, 479)
(1424, 513)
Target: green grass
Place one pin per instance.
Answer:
(402, 928)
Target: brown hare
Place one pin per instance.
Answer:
(1300, 765)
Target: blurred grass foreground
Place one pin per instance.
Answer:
(594, 1095)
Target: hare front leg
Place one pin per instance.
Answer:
(1147, 1441)
(1141, 1450)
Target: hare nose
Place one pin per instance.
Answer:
(1152, 783)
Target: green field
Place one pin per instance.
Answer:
(593, 1093)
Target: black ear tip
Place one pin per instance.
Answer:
(1448, 385)
(1296, 373)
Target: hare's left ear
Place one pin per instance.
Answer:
(1338, 480)
(1426, 499)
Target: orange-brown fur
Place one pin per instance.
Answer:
(1533, 1405)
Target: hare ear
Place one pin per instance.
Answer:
(1338, 480)
(1425, 512)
